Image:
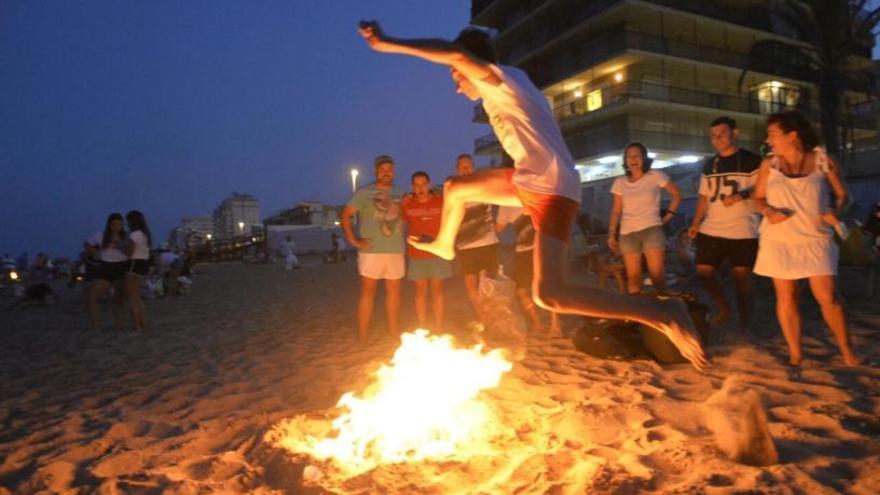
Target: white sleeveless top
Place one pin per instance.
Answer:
(801, 246)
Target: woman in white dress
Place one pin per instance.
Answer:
(795, 243)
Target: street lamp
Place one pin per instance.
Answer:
(354, 179)
(209, 236)
(241, 227)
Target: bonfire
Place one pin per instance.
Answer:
(425, 405)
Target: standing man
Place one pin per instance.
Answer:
(543, 181)
(476, 245)
(421, 212)
(522, 272)
(725, 225)
(379, 242)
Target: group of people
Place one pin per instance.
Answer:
(122, 263)
(790, 191)
(386, 214)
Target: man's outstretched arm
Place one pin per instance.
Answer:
(433, 50)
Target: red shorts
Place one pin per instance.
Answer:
(551, 214)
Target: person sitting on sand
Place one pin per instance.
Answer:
(543, 182)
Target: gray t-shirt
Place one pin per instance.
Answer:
(379, 218)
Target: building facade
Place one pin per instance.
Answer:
(653, 71)
(237, 215)
(191, 231)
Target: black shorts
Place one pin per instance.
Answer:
(523, 269)
(112, 271)
(471, 261)
(139, 267)
(713, 251)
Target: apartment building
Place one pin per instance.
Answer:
(237, 215)
(653, 71)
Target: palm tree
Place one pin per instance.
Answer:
(828, 33)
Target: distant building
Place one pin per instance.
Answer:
(309, 224)
(653, 71)
(307, 213)
(191, 231)
(238, 214)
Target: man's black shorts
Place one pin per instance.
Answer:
(523, 269)
(713, 251)
(471, 261)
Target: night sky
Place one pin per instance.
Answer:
(169, 106)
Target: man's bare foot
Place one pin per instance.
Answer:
(433, 247)
(851, 359)
(680, 329)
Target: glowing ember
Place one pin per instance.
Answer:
(422, 406)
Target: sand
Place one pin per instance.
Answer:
(185, 408)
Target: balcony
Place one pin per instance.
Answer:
(486, 144)
(615, 42)
(625, 91)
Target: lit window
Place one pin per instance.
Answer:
(594, 100)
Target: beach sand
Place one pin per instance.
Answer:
(185, 407)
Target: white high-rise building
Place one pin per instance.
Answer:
(236, 215)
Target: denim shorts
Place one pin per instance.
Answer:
(642, 240)
(428, 269)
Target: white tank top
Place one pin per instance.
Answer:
(806, 198)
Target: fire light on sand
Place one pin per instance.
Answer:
(423, 406)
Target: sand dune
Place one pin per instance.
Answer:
(185, 407)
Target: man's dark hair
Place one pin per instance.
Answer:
(420, 173)
(794, 121)
(724, 119)
(463, 156)
(477, 42)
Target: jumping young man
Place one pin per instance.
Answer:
(543, 181)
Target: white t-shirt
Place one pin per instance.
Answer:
(724, 176)
(641, 200)
(112, 253)
(527, 129)
(141, 246)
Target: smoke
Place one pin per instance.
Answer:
(737, 420)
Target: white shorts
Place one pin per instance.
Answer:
(378, 266)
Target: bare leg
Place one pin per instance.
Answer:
(789, 317)
(365, 305)
(133, 297)
(118, 304)
(633, 264)
(486, 186)
(832, 311)
(552, 293)
(529, 308)
(710, 282)
(472, 287)
(437, 303)
(742, 280)
(656, 270)
(421, 300)
(392, 305)
(98, 288)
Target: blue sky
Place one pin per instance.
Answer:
(169, 106)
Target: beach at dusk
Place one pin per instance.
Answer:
(187, 406)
